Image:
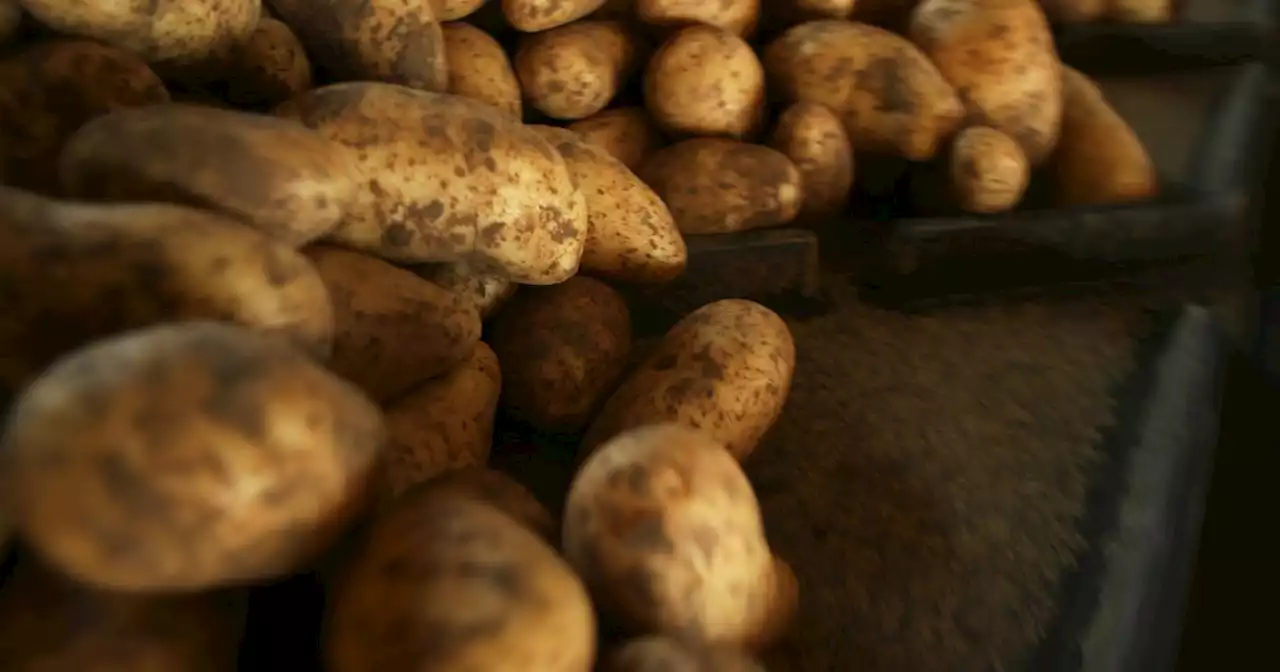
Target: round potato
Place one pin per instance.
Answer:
(1141, 11)
(663, 527)
(666, 654)
(393, 41)
(815, 140)
(625, 132)
(393, 329)
(714, 185)
(736, 16)
(487, 292)
(987, 170)
(268, 69)
(273, 174)
(631, 235)
(705, 81)
(186, 456)
(450, 179)
(1100, 159)
(473, 588)
(573, 71)
(533, 16)
(502, 493)
(479, 68)
(49, 90)
(452, 10)
(447, 423)
(892, 99)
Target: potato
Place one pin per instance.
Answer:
(450, 179)
(725, 368)
(666, 654)
(625, 132)
(268, 69)
(274, 175)
(631, 235)
(1140, 11)
(118, 267)
(186, 456)
(479, 69)
(50, 89)
(892, 99)
(705, 81)
(450, 583)
(502, 493)
(452, 10)
(445, 424)
(1100, 159)
(815, 140)
(1075, 11)
(714, 185)
(393, 329)
(987, 170)
(573, 71)
(999, 56)
(663, 527)
(736, 16)
(10, 20)
(532, 16)
(49, 624)
(393, 41)
(487, 292)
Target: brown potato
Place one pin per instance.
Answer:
(210, 454)
(666, 654)
(999, 56)
(725, 368)
(473, 588)
(392, 41)
(736, 16)
(625, 132)
(502, 493)
(987, 170)
(119, 267)
(272, 174)
(705, 81)
(714, 185)
(1141, 11)
(663, 527)
(631, 235)
(1100, 160)
(268, 69)
(1075, 11)
(49, 90)
(487, 292)
(533, 16)
(892, 99)
(480, 70)
(573, 71)
(450, 179)
(815, 140)
(452, 10)
(393, 329)
(447, 423)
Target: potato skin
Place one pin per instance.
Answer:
(487, 292)
(736, 16)
(705, 81)
(457, 572)
(84, 478)
(268, 69)
(892, 99)
(725, 368)
(502, 493)
(715, 185)
(625, 132)
(272, 174)
(446, 423)
(450, 179)
(573, 71)
(393, 329)
(1100, 159)
(654, 653)
(479, 68)
(452, 10)
(532, 16)
(815, 140)
(50, 89)
(988, 171)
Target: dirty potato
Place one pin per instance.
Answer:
(393, 329)
(654, 653)
(987, 170)
(815, 140)
(1100, 160)
(625, 132)
(892, 99)
(725, 368)
(736, 16)
(664, 528)
(272, 174)
(50, 89)
(479, 68)
(502, 493)
(251, 459)
(631, 235)
(573, 71)
(446, 423)
(705, 81)
(714, 185)
(488, 292)
(268, 69)
(482, 590)
(532, 16)
(450, 179)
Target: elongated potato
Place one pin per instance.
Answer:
(446, 423)
(1140, 11)
(999, 56)
(479, 68)
(268, 69)
(573, 71)
(533, 16)
(725, 368)
(50, 89)
(487, 292)
(713, 185)
(892, 99)
(502, 493)
(1099, 160)
(482, 590)
(393, 329)
(705, 81)
(393, 41)
(987, 170)
(632, 236)
(625, 132)
(273, 174)
(815, 140)
(736, 16)
(186, 456)
(648, 654)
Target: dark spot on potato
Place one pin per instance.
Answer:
(281, 267)
(666, 362)
(646, 533)
(504, 578)
(433, 211)
(397, 235)
(481, 133)
(128, 489)
(882, 79)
